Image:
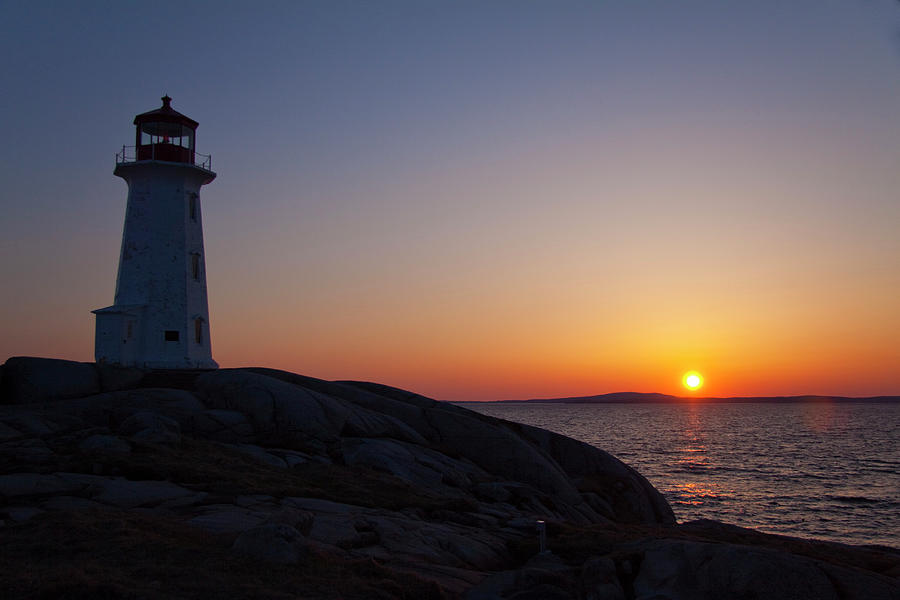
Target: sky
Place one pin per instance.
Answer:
(481, 200)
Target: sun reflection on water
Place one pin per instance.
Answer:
(697, 494)
(693, 451)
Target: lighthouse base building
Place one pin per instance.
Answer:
(160, 317)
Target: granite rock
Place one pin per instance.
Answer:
(284, 415)
(28, 379)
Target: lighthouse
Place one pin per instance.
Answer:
(160, 315)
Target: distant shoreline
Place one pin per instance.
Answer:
(649, 398)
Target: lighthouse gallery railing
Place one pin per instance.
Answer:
(130, 154)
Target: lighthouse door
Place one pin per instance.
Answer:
(130, 337)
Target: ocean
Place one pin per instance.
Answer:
(818, 470)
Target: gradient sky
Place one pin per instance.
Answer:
(481, 200)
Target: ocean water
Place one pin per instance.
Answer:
(825, 470)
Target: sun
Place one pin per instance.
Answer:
(692, 380)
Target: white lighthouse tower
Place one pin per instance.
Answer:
(160, 317)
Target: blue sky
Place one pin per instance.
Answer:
(533, 174)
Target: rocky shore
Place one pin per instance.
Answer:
(240, 483)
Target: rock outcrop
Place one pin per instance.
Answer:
(288, 470)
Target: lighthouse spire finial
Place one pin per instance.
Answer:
(166, 100)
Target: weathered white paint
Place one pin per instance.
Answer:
(157, 289)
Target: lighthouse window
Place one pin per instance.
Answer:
(192, 204)
(198, 330)
(129, 330)
(195, 266)
(171, 335)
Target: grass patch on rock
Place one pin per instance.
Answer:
(127, 555)
(222, 471)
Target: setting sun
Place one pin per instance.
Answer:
(692, 380)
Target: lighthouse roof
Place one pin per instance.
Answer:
(120, 309)
(165, 114)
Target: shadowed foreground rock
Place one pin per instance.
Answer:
(193, 484)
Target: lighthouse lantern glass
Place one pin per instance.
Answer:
(167, 133)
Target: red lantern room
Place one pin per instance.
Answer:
(165, 134)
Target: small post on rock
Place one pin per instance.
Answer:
(542, 536)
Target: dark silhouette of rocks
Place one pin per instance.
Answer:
(352, 490)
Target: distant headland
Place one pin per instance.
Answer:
(652, 398)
